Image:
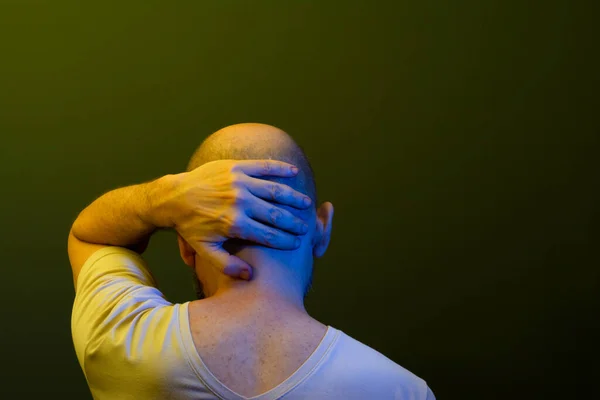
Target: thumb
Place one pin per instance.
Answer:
(217, 257)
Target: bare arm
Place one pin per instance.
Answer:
(125, 217)
(219, 200)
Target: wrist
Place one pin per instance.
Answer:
(158, 193)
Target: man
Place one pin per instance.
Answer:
(249, 227)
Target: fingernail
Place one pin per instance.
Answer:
(307, 201)
(297, 242)
(294, 170)
(304, 228)
(245, 275)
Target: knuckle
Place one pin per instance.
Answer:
(239, 198)
(301, 225)
(234, 166)
(236, 180)
(275, 215)
(233, 223)
(275, 191)
(233, 171)
(294, 196)
(270, 236)
(266, 167)
(233, 231)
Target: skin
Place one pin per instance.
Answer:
(255, 288)
(279, 275)
(218, 201)
(253, 335)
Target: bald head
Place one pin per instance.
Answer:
(253, 141)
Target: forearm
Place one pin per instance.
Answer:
(125, 217)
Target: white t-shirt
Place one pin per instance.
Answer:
(132, 343)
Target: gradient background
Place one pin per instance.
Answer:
(457, 140)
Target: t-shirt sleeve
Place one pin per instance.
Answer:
(114, 290)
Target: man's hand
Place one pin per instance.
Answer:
(225, 199)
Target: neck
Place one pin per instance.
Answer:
(278, 279)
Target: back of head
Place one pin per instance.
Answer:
(253, 141)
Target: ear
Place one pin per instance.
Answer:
(323, 234)
(188, 254)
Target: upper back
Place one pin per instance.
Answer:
(248, 354)
(298, 358)
(134, 344)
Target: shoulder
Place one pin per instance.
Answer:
(371, 357)
(115, 292)
(381, 371)
(112, 264)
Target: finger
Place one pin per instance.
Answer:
(267, 236)
(278, 193)
(214, 256)
(263, 211)
(266, 168)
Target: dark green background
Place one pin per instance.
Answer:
(457, 141)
